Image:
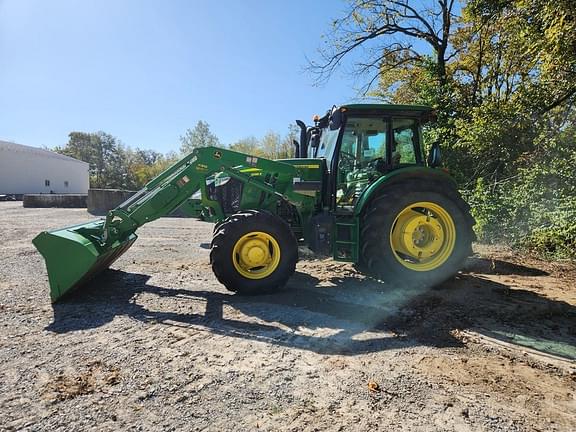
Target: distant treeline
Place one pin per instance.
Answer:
(117, 166)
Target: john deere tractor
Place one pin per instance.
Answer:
(358, 188)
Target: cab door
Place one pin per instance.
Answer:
(363, 149)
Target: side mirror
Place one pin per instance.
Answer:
(434, 156)
(429, 117)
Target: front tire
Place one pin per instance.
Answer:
(253, 252)
(416, 233)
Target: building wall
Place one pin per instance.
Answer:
(26, 172)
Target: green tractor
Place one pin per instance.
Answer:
(358, 188)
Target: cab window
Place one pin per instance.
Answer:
(405, 143)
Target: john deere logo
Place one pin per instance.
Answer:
(217, 154)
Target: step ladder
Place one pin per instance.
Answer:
(346, 237)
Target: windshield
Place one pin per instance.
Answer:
(364, 140)
(363, 149)
(327, 144)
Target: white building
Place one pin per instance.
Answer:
(30, 170)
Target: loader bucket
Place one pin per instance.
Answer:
(73, 255)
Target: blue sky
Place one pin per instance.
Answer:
(145, 71)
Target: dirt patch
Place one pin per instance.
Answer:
(509, 383)
(68, 385)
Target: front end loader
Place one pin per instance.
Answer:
(358, 188)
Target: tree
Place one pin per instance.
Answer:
(547, 33)
(286, 144)
(143, 165)
(270, 144)
(200, 136)
(276, 147)
(507, 84)
(113, 165)
(104, 154)
(517, 75)
(386, 35)
(249, 145)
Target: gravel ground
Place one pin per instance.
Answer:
(156, 343)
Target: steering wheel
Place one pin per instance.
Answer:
(347, 161)
(378, 164)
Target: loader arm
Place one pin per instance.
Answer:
(172, 188)
(75, 254)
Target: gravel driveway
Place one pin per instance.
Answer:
(157, 344)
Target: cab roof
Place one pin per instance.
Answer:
(387, 107)
(422, 112)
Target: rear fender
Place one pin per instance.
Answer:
(402, 174)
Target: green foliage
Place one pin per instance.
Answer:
(555, 241)
(200, 136)
(536, 207)
(502, 78)
(271, 146)
(518, 129)
(143, 165)
(104, 154)
(249, 145)
(519, 215)
(113, 165)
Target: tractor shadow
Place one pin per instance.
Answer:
(498, 267)
(341, 315)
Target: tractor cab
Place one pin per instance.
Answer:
(363, 142)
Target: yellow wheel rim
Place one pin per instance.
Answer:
(256, 255)
(423, 236)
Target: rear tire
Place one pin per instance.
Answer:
(416, 233)
(253, 252)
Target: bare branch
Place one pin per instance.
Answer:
(559, 101)
(368, 22)
(418, 17)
